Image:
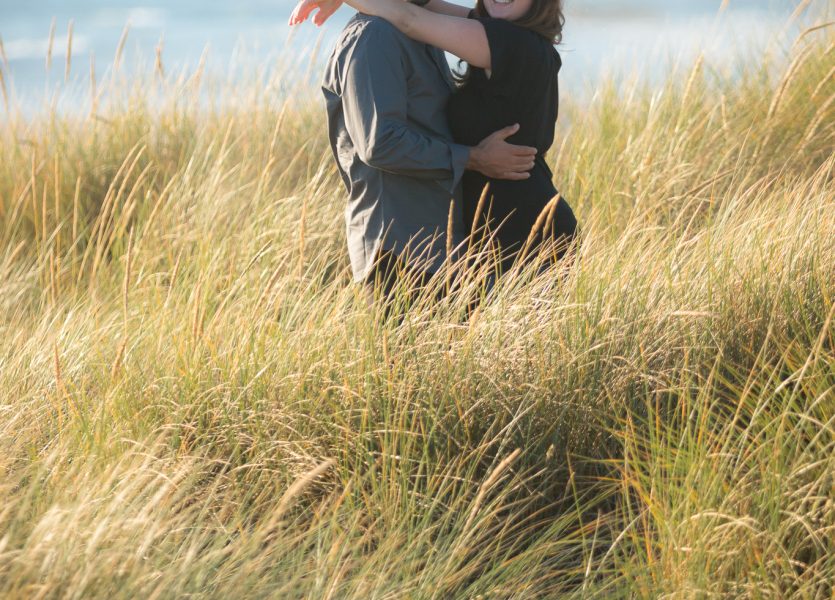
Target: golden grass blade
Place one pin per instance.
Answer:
(482, 200)
(298, 487)
(3, 90)
(94, 94)
(302, 227)
(449, 244)
(126, 283)
(50, 45)
(488, 484)
(68, 63)
(158, 67)
(3, 56)
(120, 47)
(537, 229)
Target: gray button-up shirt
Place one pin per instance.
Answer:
(386, 96)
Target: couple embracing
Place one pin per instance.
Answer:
(416, 146)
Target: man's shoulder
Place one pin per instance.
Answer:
(365, 36)
(367, 30)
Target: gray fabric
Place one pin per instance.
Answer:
(386, 96)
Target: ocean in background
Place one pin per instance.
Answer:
(601, 37)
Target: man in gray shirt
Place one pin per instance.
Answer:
(386, 96)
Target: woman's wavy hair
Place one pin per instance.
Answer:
(544, 17)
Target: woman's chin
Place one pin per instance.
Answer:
(499, 11)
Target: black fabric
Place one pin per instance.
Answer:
(522, 88)
(394, 284)
(387, 273)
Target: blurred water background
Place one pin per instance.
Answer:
(617, 37)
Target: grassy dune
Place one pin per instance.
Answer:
(195, 400)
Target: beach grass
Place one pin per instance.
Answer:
(197, 402)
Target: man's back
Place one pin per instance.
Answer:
(386, 96)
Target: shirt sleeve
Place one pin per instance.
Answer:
(512, 50)
(375, 100)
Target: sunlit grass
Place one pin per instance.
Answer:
(197, 401)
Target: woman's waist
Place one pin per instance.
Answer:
(473, 136)
(540, 183)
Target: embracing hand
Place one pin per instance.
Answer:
(303, 9)
(496, 158)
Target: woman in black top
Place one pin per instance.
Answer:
(511, 78)
(522, 88)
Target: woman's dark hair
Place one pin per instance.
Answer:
(544, 17)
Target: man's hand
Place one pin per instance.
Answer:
(496, 158)
(305, 7)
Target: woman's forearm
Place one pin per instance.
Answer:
(442, 7)
(465, 38)
(395, 12)
(387, 8)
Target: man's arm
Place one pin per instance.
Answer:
(375, 98)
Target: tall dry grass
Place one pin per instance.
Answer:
(196, 401)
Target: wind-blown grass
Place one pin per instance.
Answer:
(197, 401)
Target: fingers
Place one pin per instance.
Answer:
(302, 11)
(523, 151)
(518, 163)
(296, 16)
(512, 176)
(507, 131)
(325, 13)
